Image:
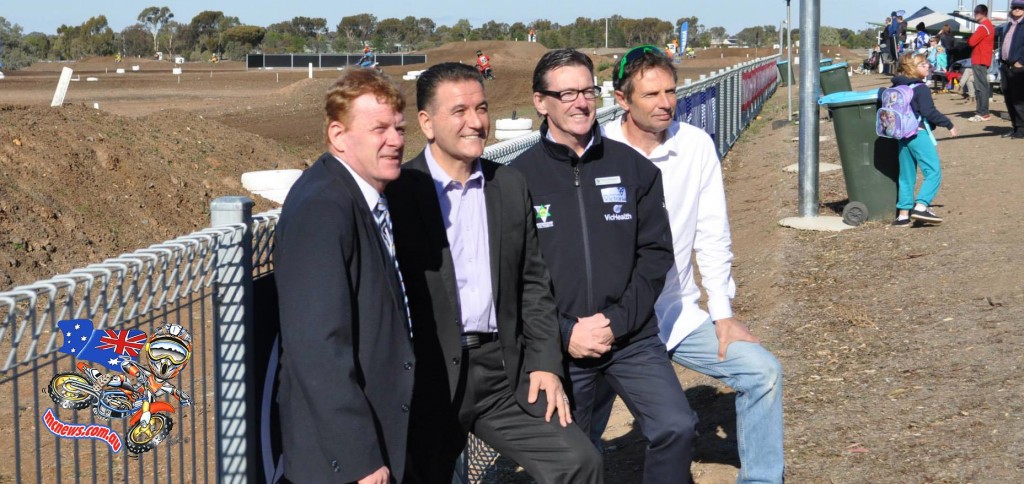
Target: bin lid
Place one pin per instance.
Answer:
(847, 98)
(841, 65)
(783, 62)
(822, 61)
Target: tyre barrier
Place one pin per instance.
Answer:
(270, 184)
(505, 134)
(412, 75)
(509, 124)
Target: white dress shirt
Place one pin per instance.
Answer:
(695, 199)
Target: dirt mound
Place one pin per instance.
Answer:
(80, 185)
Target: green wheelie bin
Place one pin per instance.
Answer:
(834, 78)
(870, 163)
(785, 72)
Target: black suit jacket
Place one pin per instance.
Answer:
(525, 309)
(346, 366)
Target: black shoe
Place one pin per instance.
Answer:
(1019, 134)
(902, 222)
(926, 215)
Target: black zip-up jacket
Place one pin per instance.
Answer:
(604, 232)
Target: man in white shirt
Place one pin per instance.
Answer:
(715, 344)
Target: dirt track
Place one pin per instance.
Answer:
(902, 363)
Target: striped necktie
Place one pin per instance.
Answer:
(383, 218)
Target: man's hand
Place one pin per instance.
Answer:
(380, 476)
(730, 330)
(551, 385)
(591, 337)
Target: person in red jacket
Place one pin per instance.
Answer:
(982, 44)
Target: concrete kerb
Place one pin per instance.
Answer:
(819, 223)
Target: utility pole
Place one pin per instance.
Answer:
(810, 86)
(606, 32)
(789, 58)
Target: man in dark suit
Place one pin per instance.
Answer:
(347, 361)
(487, 338)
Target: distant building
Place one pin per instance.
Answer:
(727, 43)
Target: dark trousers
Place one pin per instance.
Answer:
(1011, 81)
(486, 406)
(642, 374)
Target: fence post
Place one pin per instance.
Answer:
(236, 408)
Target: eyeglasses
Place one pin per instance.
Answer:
(634, 54)
(570, 95)
(923, 64)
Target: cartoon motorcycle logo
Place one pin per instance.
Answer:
(115, 396)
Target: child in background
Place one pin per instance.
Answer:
(919, 151)
(941, 61)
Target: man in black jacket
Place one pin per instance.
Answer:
(604, 232)
(486, 326)
(345, 378)
(1011, 67)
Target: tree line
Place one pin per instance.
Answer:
(214, 33)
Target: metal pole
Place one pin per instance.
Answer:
(606, 32)
(236, 403)
(789, 59)
(810, 20)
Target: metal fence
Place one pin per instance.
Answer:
(218, 284)
(302, 61)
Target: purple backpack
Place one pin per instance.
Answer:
(896, 119)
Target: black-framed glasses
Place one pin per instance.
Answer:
(634, 54)
(570, 95)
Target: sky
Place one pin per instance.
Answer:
(47, 16)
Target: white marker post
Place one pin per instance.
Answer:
(310, 70)
(62, 87)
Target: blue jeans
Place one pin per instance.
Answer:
(918, 152)
(756, 375)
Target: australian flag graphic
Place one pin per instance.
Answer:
(107, 347)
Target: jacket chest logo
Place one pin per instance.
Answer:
(617, 215)
(613, 194)
(543, 213)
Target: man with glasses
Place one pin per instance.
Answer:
(715, 344)
(600, 214)
(1011, 51)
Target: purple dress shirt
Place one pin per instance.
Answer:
(464, 212)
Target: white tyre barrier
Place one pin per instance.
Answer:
(509, 124)
(270, 179)
(135, 68)
(504, 134)
(91, 79)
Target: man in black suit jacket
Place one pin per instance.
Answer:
(346, 367)
(487, 338)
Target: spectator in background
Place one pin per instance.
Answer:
(941, 60)
(921, 37)
(982, 44)
(1011, 82)
(946, 38)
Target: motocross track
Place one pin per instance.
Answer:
(901, 361)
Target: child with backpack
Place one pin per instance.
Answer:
(907, 114)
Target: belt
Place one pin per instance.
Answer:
(474, 340)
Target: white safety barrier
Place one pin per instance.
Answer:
(270, 184)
